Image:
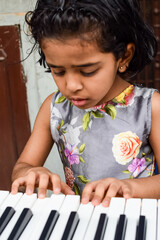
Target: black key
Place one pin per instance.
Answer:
(99, 235)
(121, 228)
(6, 217)
(141, 228)
(70, 226)
(20, 224)
(49, 226)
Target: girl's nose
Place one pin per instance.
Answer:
(73, 82)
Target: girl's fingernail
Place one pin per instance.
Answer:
(84, 200)
(41, 195)
(95, 202)
(29, 191)
(105, 203)
(13, 191)
(126, 196)
(56, 190)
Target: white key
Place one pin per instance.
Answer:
(149, 210)
(85, 212)
(26, 201)
(71, 203)
(158, 223)
(132, 212)
(3, 195)
(92, 227)
(10, 201)
(41, 210)
(116, 207)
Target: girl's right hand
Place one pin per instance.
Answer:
(43, 179)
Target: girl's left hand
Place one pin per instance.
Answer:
(103, 190)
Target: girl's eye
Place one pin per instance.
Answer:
(86, 74)
(89, 74)
(59, 73)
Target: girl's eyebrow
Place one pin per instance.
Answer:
(81, 65)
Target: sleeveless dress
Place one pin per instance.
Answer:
(110, 140)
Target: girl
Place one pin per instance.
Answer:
(106, 129)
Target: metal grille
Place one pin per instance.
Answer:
(150, 76)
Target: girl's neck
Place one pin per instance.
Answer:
(118, 86)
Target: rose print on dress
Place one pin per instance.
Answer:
(126, 146)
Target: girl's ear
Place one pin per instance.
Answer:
(124, 62)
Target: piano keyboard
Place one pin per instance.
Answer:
(61, 217)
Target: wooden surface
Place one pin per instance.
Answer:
(14, 121)
(150, 76)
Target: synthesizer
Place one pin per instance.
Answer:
(61, 217)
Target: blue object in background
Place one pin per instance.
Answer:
(156, 169)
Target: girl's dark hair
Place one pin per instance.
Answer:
(111, 23)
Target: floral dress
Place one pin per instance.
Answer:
(110, 140)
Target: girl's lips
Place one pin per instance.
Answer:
(79, 102)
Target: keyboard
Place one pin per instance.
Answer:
(61, 217)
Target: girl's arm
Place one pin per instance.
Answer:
(149, 187)
(29, 170)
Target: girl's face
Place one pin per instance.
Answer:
(83, 74)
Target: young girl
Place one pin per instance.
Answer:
(106, 129)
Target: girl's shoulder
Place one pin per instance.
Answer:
(147, 95)
(156, 99)
(156, 104)
(143, 91)
(42, 120)
(44, 111)
(47, 102)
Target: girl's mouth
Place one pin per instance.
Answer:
(78, 102)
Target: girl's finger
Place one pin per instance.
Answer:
(30, 181)
(56, 183)
(88, 192)
(126, 191)
(111, 192)
(43, 185)
(99, 194)
(66, 189)
(17, 184)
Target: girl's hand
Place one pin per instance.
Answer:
(103, 190)
(43, 179)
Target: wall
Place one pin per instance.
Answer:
(39, 84)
